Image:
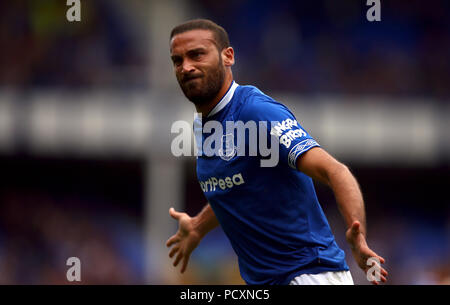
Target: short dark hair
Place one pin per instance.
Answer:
(219, 33)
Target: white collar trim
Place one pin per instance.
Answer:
(225, 100)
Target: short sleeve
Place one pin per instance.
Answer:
(291, 138)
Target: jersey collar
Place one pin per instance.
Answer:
(225, 99)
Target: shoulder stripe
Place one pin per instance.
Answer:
(300, 148)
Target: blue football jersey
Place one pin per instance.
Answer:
(271, 215)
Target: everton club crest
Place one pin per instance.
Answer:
(227, 150)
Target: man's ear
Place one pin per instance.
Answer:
(228, 56)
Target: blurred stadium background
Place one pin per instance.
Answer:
(86, 109)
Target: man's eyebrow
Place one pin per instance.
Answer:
(200, 49)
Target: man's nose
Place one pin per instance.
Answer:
(187, 67)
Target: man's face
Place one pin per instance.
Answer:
(198, 65)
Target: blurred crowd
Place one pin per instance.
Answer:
(322, 47)
(40, 48)
(39, 232)
(300, 47)
(306, 47)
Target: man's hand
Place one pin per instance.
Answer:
(361, 252)
(185, 240)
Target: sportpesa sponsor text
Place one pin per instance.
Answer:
(223, 183)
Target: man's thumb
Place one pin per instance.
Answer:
(174, 214)
(355, 227)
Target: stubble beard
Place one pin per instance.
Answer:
(209, 87)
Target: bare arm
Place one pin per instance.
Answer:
(321, 166)
(205, 221)
(190, 232)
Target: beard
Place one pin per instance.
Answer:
(203, 88)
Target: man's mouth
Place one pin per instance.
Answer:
(188, 79)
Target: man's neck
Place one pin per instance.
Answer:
(206, 108)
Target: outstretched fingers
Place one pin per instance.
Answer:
(172, 240)
(181, 240)
(380, 278)
(185, 263)
(173, 251)
(373, 266)
(178, 258)
(383, 272)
